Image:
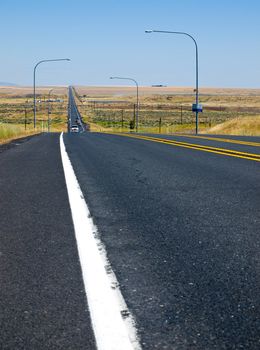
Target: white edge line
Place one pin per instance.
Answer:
(113, 325)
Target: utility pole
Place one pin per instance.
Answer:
(25, 118)
(122, 119)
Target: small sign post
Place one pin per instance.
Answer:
(196, 107)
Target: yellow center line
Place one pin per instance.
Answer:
(239, 142)
(216, 150)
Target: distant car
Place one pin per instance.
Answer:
(74, 128)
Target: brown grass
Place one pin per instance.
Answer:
(16, 103)
(124, 90)
(235, 111)
(249, 126)
(105, 105)
(11, 132)
(21, 91)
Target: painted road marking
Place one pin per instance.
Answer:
(107, 307)
(210, 138)
(216, 150)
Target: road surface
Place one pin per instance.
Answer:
(74, 117)
(180, 225)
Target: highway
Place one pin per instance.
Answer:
(74, 117)
(181, 229)
(178, 217)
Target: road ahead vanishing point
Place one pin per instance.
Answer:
(177, 218)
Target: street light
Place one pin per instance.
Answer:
(197, 108)
(137, 98)
(34, 72)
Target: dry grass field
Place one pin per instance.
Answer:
(22, 91)
(113, 108)
(249, 126)
(168, 109)
(9, 132)
(16, 111)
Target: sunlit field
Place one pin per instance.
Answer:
(161, 110)
(16, 111)
(168, 110)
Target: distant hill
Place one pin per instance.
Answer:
(4, 83)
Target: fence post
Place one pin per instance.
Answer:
(25, 118)
(134, 114)
(160, 125)
(122, 119)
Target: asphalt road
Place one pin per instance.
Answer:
(74, 117)
(181, 229)
(42, 298)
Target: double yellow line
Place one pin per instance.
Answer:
(220, 139)
(216, 150)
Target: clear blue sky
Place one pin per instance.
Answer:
(105, 38)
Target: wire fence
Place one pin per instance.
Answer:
(20, 111)
(123, 114)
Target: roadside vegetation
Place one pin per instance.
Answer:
(234, 111)
(247, 126)
(11, 131)
(113, 109)
(16, 112)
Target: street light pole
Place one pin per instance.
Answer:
(197, 68)
(137, 98)
(49, 108)
(34, 74)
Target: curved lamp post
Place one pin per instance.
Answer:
(34, 73)
(137, 98)
(197, 109)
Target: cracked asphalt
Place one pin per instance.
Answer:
(181, 230)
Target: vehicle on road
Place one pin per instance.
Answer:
(74, 128)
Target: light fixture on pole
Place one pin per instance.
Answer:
(195, 107)
(137, 98)
(34, 73)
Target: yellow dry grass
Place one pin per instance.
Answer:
(248, 126)
(123, 90)
(21, 91)
(9, 132)
(98, 128)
